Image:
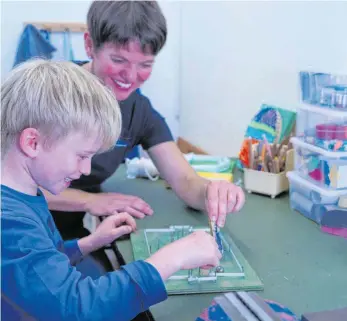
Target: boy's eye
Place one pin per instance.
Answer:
(83, 157)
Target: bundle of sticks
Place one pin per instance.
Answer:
(267, 157)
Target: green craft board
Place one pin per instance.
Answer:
(249, 282)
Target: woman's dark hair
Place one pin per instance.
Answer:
(120, 22)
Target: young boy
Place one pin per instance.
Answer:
(54, 117)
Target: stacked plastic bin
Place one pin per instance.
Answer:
(318, 185)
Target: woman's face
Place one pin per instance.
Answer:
(122, 69)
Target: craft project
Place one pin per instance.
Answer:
(234, 272)
(273, 122)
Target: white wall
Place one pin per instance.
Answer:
(222, 59)
(163, 86)
(237, 55)
(15, 13)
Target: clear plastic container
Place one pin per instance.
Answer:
(311, 200)
(324, 168)
(325, 128)
(325, 90)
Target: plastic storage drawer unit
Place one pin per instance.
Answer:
(311, 200)
(324, 168)
(323, 127)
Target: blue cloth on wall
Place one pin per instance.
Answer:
(33, 43)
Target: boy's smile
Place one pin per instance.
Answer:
(56, 167)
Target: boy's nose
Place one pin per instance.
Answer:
(86, 167)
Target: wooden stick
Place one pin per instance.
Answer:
(59, 26)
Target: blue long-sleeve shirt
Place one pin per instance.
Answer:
(39, 279)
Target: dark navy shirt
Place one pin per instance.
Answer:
(40, 282)
(141, 125)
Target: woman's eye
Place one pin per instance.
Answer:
(118, 61)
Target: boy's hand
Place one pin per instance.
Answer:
(221, 199)
(111, 228)
(103, 204)
(198, 249)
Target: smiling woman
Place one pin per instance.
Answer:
(123, 49)
(122, 69)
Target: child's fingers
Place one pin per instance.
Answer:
(123, 218)
(122, 230)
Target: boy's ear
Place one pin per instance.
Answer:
(88, 45)
(29, 142)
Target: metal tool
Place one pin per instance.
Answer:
(216, 234)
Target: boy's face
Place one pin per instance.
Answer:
(54, 168)
(121, 69)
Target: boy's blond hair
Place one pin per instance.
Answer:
(57, 98)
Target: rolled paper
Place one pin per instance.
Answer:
(307, 207)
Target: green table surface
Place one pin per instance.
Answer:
(300, 266)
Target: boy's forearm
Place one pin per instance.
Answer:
(165, 264)
(87, 245)
(70, 200)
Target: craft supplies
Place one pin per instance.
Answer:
(322, 127)
(334, 96)
(210, 163)
(343, 202)
(311, 200)
(247, 306)
(318, 185)
(273, 122)
(267, 165)
(212, 167)
(265, 183)
(323, 89)
(141, 167)
(216, 176)
(324, 168)
(266, 157)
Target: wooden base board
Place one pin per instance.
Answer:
(186, 147)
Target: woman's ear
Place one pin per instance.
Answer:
(88, 45)
(29, 141)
